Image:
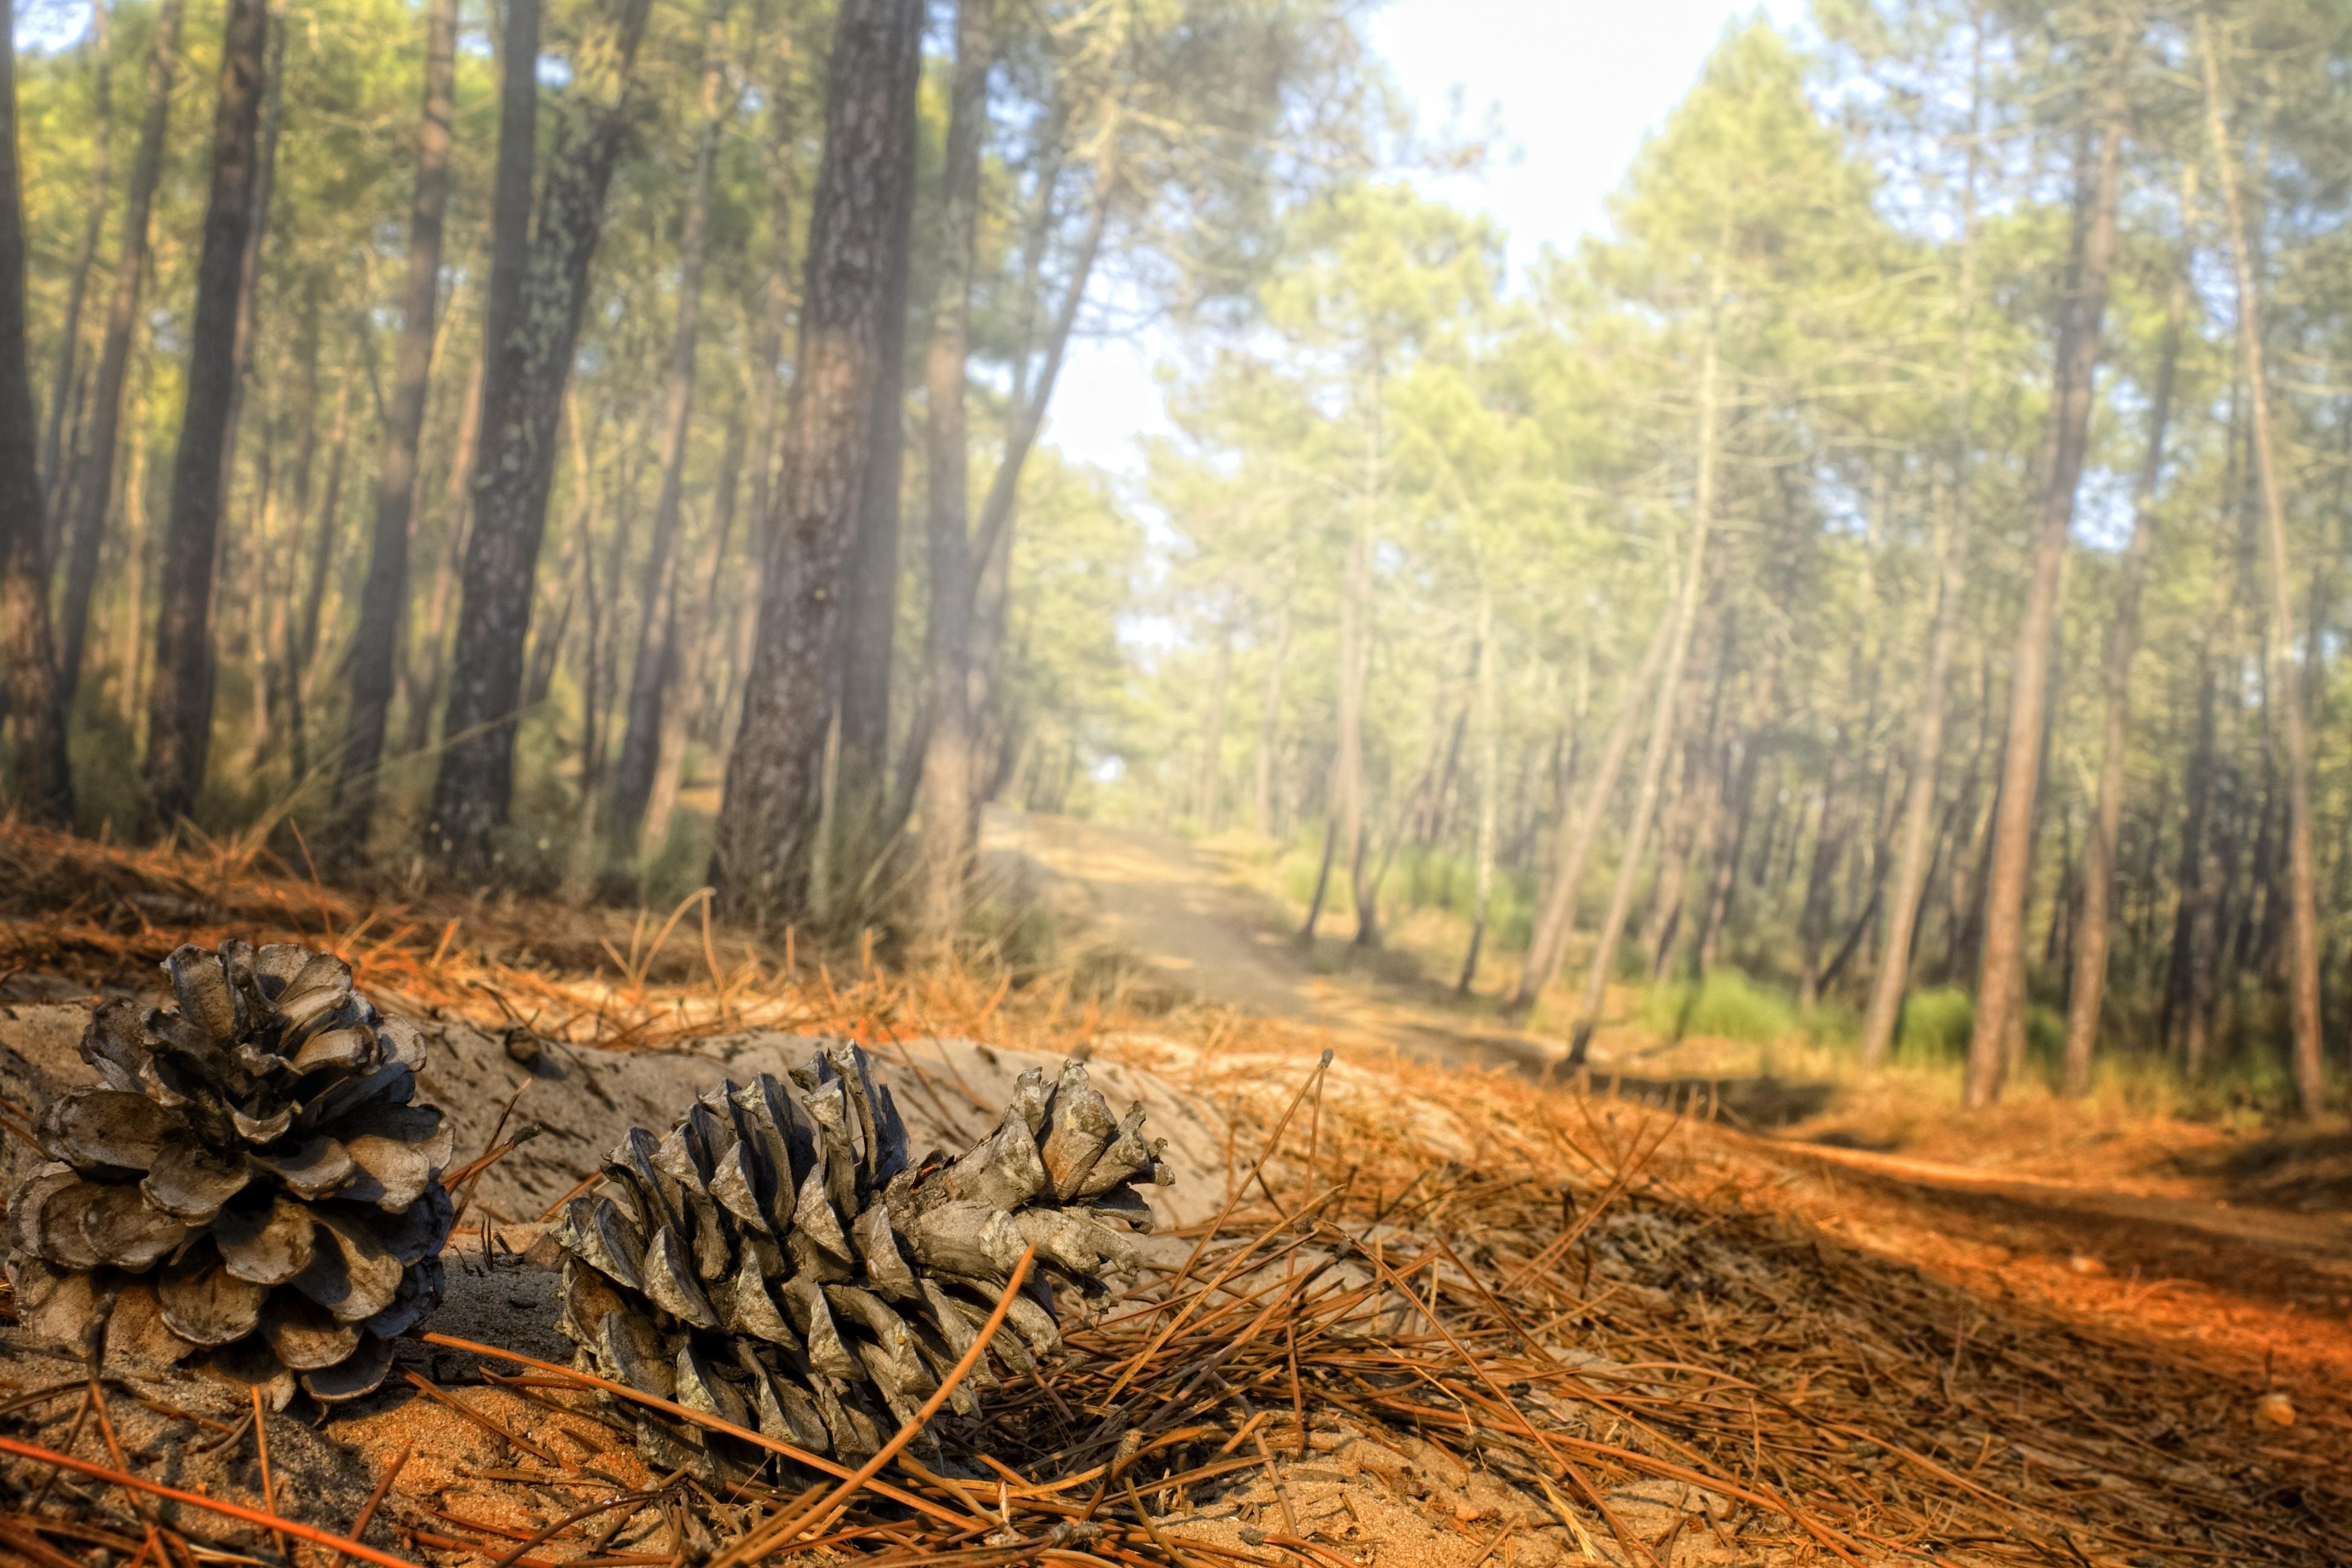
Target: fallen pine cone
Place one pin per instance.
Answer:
(250, 1182)
(777, 1262)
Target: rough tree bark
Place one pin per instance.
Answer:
(39, 782)
(180, 702)
(1670, 680)
(770, 309)
(2000, 990)
(93, 482)
(1212, 734)
(655, 667)
(690, 647)
(1490, 764)
(1554, 922)
(533, 325)
(2286, 690)
(54, 466)
(383, 593)
(1269, 724)
(421, 672)
(1355, 671)
(2091, 938)
(1885, 1009)
(870, 612)
(768, 817)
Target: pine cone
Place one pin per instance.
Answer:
(777, 1262)
(254, 1158)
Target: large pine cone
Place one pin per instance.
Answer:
(254, 1159)
(777, 1262)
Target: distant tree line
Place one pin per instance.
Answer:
(1908, 548)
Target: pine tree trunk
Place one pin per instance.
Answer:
(130, 660)
(2000, 992)
(180, 703)
(1355, 662)
(256, 235)
(421, 674)
(383, 593)
(39, 783)
(1670, 679)
(537, 294)
(93, 483)
(2286, 687)
(770, 309)
(302, 647)
(768, 815)
(1549, 944)
(1883, 1014)
(654, 666)
(54, 465)
(2091, 941)
(1269, 724)
(693, 644)
(1724, 882)
(1212, 734)
(1490, 763)
(992, 534)
(869, 629)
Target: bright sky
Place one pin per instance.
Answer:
(1571, 85)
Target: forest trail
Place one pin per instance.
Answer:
(2183, 1251)
(1170, 907)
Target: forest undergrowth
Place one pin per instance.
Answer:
(1450, 1318)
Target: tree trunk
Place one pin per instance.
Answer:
(533, 323)
(654, 666)
(2090, 937)
(256, 235)
(693, 651)
(1882, 1014)
(772, 309)
(1490, 763)
(760, 863)
(1322, 868)
(2286, 687)
(1269, 724)
(304, 645)
(2000, 992)
(93, 484)
(420, 677)
(383, 593)
(1212, 734)
(180, 704)
(1724, 881)
(1549, 944)
(39, 782)
(54, 465)
(1355, 668)
(1670, 679)
(869, 631)
(992, 546)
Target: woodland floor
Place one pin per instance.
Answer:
(1419, 1308)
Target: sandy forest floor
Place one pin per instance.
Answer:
(1416, 1307)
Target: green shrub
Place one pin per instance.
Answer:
(1935, 1028)
(1726, 1006)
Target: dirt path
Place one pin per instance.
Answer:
(2267, 1279)
(1173, 908)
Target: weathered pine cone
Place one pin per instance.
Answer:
(254, 1163)
(778, 1262)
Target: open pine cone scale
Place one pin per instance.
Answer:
(254, 1159)
(778, 1262)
